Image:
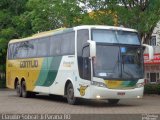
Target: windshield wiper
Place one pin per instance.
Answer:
(123, 71)
(117, 64)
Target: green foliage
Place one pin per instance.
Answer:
(141, 15)
(15, 7)
(51, 14)
(9, 11)
(137, 14)
(2, 79)
(98, 18)
(21, 18)
(152, 89)
(158, 89)
(2, 83)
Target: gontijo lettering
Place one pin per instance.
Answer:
(29, 64)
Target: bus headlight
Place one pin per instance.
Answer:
(98, 84)
(138, 85)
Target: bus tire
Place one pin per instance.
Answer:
(25, 93)
(70, 95)
(18, 89)
(113, 101)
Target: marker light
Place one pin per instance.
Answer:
(138, 85)
(139, 97)
(98, 84)
(98, 96)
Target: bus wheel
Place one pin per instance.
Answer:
(113, 101)
(70, 94)
(18, 89)
(25, 94)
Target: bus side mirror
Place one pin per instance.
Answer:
(92, 48)
(150, 51)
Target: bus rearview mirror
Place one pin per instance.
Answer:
(150, 51)
(92, 46)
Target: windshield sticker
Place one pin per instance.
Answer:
(123, 50)
(82, 90)
(102, 74)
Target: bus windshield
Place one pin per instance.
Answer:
(112, 36)
(118, 60)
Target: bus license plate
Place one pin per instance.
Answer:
(121, 93)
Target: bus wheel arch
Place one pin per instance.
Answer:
(25, 92)
(17, 86)
(69, 92)
(65, 89)
(23, 87)
(16, 81)
(22, 79)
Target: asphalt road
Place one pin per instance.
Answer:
(43, 104)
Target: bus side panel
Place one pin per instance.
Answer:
(13, 73)
(65, 72)
(47, 78)
(26, 69)
(9, 79)
(33, 72)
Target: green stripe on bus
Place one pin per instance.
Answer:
(132, 83)
(53, 70)
(43, 73)
(48, 76)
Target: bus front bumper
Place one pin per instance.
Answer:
(105, 93)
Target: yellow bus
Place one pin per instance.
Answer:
(91, 62)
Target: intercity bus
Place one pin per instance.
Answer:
(89, 61)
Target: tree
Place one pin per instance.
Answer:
(9, 10)
(21, 18)
(100, 17)
(52, 14)
(142, 15)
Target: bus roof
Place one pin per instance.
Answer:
(61, 30)
(38, 35)
(104, 27)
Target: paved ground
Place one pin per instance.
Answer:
(10, 103)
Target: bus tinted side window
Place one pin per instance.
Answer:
(82, 37)
(22, 49)
(84, 65)
(43, 47)
(15, 50)
(10, 51)
(32, 48)
(55, 43)
(68, 43)
(26, 49)
(62, 44)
